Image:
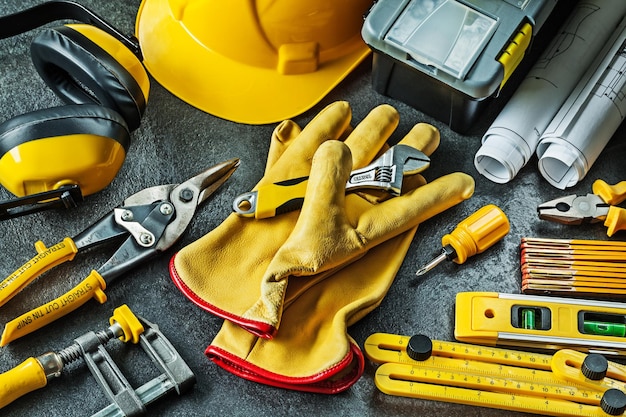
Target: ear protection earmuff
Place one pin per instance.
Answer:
(98, 72)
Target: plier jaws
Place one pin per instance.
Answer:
(574, 209)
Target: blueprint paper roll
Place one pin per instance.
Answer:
(588, 118)
(512, 138)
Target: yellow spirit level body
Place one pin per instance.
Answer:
(540, 322)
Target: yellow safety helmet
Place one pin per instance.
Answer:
(251, 61)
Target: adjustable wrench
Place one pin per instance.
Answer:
(385, 173)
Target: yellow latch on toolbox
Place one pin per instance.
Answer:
(514, 53)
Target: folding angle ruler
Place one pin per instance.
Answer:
(419, 367)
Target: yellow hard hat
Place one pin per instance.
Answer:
(251, 61)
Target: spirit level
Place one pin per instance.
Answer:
(490, 377)
(540, 322)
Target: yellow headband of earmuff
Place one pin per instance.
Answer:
(98, 72)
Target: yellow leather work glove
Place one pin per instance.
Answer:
(312, 351)
(330, 233)
(222, 271)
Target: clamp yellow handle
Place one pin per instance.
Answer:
(131, 326)
(91, 287)
(45, 259)
(24, 378)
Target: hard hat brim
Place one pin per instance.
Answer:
(226, 88)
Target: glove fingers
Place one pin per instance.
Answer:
(370, 135)
(325, 199)
(424, 137)
(329, 124)
(325, 194)
(282, 137)
(411, 182)
(399, 214)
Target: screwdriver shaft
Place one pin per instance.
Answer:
(446, 253)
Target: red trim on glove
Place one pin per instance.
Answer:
(257, 328)
(332, 381)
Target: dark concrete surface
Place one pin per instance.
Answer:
(176, 141)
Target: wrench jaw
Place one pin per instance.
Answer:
(387, 172)
(409, 159)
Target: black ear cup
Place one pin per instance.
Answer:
(80, 71)
(98, 72)
(63, 121)
(73, 144)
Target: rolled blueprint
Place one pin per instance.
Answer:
(512, 138)
(588, 119)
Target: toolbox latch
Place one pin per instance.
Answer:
(514, 52)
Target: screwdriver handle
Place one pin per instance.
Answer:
(477, 233)
(24, 378)
(610, 194)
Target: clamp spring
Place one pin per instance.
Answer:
(73, 352)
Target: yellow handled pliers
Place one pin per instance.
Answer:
(591, 208)
(147, 223)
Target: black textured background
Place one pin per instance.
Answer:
(174, 142)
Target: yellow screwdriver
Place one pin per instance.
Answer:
(473, 235)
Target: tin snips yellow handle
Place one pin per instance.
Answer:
(91, 287)
(45, 259)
